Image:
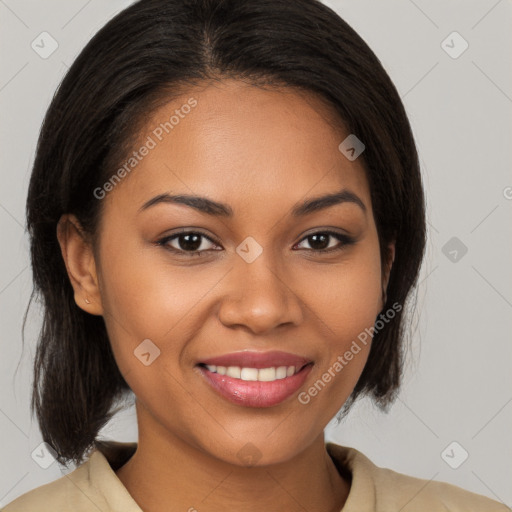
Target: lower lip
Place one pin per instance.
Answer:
(255, 393)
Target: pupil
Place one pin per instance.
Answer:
(323, 243)
(192, 242)
(190, 245)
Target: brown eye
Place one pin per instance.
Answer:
(322, 241)
(191, 243)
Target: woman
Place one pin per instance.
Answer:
(227, 219)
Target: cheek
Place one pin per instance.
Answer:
(133, 295)
(146, 297)
(346, 302)
(347, 297)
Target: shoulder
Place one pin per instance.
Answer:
(417, 494)
(70, 491)
(91, 487)
(384, 490)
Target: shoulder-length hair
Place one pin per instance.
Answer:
(145, 56)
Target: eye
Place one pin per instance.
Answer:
(189, 243)
(195, 243)
(320, 241)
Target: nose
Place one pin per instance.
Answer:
(259, 297)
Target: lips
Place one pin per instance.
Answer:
(256, 379)
(258, 360)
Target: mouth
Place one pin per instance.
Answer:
(254, 379)
(269, 374)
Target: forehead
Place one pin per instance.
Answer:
(242, 145)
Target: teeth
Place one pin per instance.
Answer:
(281, 372)
(249, 374)
(267, 374)
(253, 374)
(233, 371)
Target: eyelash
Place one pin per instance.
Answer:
(344, 239)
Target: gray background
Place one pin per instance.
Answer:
(458, 383)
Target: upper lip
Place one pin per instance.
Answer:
(252, 359)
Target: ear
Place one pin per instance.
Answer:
(80, 264)
(386, 270)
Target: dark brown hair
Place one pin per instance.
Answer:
(146, 54)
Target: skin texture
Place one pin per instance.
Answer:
(261, 152)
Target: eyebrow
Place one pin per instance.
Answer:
(214, 208)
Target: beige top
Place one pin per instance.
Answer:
(94, 487)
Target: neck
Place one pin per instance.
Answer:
(169, 474)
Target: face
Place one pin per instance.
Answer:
(257, 283)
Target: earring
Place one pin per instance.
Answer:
(87, 301)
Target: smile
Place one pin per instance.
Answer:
(254, 379)
(254, 374)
